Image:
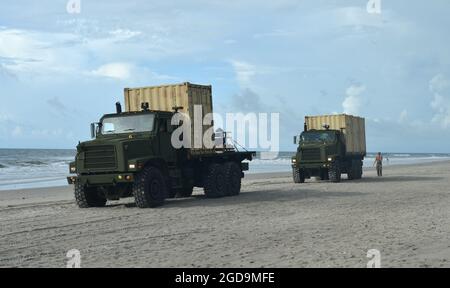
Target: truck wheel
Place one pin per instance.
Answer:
(88, 196)
(149, 188)
(233, 177)
(298, 175)
(184, 192)
(334, 173)
(214, 182)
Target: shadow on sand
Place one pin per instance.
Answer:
(257, 197)
(246, 197)
(284, 195)
(394, 179)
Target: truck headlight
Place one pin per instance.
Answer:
(330, 159)
(132, 166)
(294, 160)
(73, 169)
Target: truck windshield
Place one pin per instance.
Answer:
(318, 137)
(128, 124)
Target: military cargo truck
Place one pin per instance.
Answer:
(131, 153)
(330, 145)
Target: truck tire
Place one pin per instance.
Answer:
(149, 188)
(88, 196)
(334, 173)
(233, 176)
(214, 182)
(298, 175)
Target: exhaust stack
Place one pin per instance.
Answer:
(118, 108)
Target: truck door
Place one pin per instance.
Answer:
(165, 145)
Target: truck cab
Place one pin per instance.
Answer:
(320, 146)
(122, 144)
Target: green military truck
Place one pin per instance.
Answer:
(131, 153)
(330, 145)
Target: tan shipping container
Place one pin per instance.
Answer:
(166, 97)
(353, 128)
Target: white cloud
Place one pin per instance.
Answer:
(29, 54)
(275, 33)
(121, 71)
(23, 51)
(357, 17)
(440, 87)
(124, 34)
(352, 103)
(244, 72)
(403, 116)
(127, 71)
(439, 84)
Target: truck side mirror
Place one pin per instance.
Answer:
(93, 130)
(295, 139)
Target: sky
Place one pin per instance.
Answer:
(60, 71)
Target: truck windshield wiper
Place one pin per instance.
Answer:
(131, 129)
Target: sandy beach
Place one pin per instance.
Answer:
(273, 223)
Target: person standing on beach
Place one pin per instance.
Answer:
(379, 162)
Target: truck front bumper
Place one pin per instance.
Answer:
(99, 179)
(311, 165)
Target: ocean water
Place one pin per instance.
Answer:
(34, 168)
(283, 162)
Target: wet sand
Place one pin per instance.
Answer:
(273, 223)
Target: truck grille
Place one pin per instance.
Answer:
(311, 154)
(100, 157)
